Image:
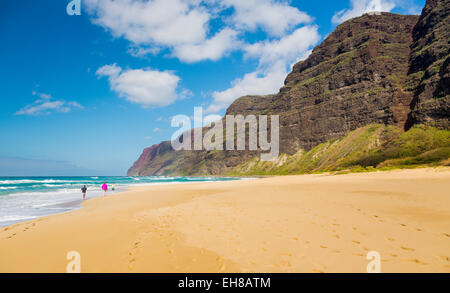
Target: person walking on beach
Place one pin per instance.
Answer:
(83, 191)
(105, 188)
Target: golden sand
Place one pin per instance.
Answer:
(309, 223)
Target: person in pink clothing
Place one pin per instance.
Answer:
(105, 188)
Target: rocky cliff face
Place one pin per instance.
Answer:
(430, 66)
(358, 75)
(354, 78)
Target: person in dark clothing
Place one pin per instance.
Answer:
(83, 191)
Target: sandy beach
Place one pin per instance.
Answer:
(307, 223)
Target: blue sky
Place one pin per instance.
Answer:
(92, 91)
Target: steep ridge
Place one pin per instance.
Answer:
(372, 147)
(354, 78)
(357, 76)
(429, 71)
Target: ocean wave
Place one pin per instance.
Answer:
(6, 188)
(45, 192)
(11, 218)
(26, 181)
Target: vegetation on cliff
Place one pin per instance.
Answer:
(347, 106)
(369, 148)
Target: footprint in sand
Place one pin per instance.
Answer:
(446, 235)
(323, 246)
(336, 236)
(446, 258)
(391, 239)
(407, 248)
(403, 225)
(357, 242)
(417, 261)
(419, 230)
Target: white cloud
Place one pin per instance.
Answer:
(165, 22)
(275, 58)
(45, 106)
(359, 7)
(183, 26)
(142, 86)
(288, 49)
(137, 51)
(179, 25)
(41, 95)
(212, 49)
(75, 105)
(255, 83)
(274, 17)
(207, 120)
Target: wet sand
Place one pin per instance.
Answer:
(305, 223)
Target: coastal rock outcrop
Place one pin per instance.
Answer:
(378, 68)
(429, 71)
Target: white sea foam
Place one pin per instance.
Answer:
(25, 181)
(46, 193)
(12, 218)
(36, 197)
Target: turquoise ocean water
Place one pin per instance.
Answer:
(26, 198)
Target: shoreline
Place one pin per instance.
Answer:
(294, 223)
(74, 202)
